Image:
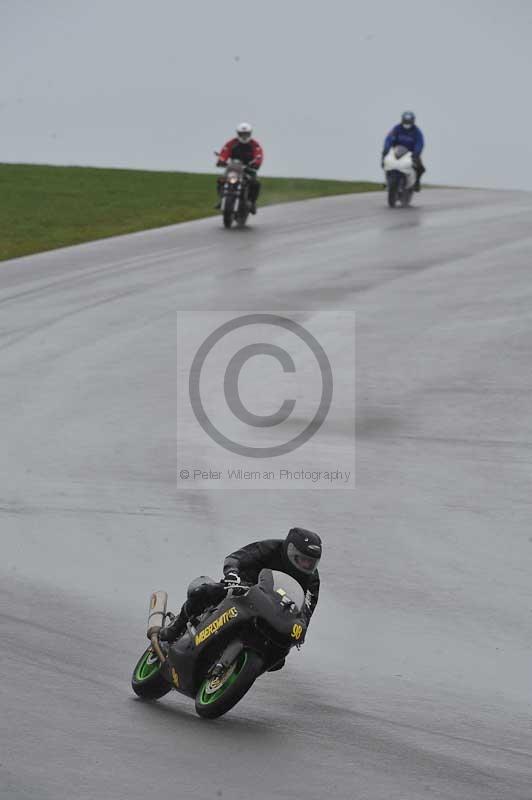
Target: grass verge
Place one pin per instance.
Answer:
(44, 207)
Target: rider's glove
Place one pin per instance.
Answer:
(221, 163)
(231, 580)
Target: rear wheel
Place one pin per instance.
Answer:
(406, 197)
(242, 218)
(243, 209)
(228, 211)
(147, 680)
(218, 695)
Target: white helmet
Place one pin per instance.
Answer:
(244, 132)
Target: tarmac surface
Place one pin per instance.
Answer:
(415, 681)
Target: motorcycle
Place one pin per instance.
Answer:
(400, 175)
(224, 650)
(235, 203)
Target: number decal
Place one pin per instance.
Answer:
(297, 630)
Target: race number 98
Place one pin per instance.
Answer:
(297, 630)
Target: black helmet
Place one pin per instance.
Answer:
(408, 118)
(303, 550)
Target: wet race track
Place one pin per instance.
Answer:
(415, 682)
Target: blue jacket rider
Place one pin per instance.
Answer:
(409, 135)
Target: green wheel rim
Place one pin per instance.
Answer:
(147, 666)
(206, 699)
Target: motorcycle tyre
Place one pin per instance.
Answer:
(152, 685)
(248, 673)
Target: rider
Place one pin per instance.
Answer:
(410, 136)
(249, 152)
(298, 555)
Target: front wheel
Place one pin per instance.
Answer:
(243, 210)
(393, 187)
(218, 695)
(147, 681)
(228, 211)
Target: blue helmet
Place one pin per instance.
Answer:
(408, 118)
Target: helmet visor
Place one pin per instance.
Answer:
(244, 136)
(301, 561)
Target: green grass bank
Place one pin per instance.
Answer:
(43, 207)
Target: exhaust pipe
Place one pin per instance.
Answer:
(157, 613)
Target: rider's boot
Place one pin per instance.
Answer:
(176, 629)
(219, 192)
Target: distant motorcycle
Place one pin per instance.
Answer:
(227, 647)
(235, 203)
(400, 175)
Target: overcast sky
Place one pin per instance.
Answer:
(161, 84)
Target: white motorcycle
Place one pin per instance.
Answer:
(400, 175)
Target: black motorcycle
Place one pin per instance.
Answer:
(225, 649)
(234, 202)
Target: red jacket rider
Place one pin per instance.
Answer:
(249, 152)
(243, 147)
